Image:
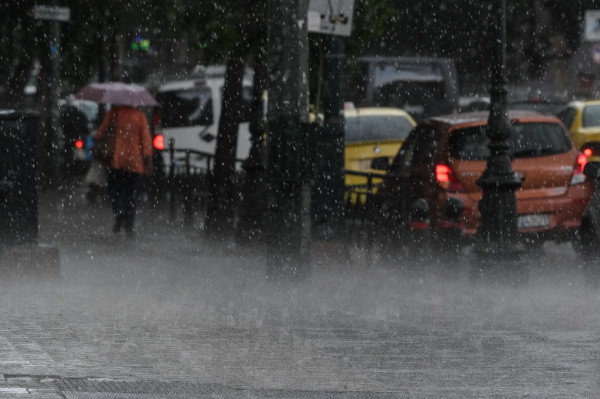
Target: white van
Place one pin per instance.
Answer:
(420, 86)
(190, 113)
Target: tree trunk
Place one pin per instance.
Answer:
(254, 204)
(220, 215)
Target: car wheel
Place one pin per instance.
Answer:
(533, 246)
(586, 243)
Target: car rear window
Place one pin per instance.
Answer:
(527, 140)
(591, 116)
(377, 127)
(181, 108)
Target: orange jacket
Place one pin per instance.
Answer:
(133, 142)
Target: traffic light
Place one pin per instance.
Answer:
(140, 44)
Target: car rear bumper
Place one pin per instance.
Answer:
(564, 213)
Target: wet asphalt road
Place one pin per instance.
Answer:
(171, 314)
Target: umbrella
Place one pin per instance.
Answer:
(117, 93)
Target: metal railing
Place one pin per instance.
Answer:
(373, 216)
(188, 182)
(376, 216)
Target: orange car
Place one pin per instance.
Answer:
(443, 157)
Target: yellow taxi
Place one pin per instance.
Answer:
(582, 119)
(373, 137)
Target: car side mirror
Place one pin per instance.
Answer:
(380, 163)
(592, 170)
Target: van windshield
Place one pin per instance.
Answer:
(414, 97)
(377, 128)
(418, 88)
(189, 107)
(527, 140)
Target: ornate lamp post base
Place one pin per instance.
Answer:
(497, 236)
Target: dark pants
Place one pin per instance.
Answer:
(122, 191)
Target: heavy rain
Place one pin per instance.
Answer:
(299, 199)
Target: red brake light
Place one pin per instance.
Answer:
(578, 176)
(79, 144)
(159, 142)
(442, 173)
(591, 149)
(581, 161)
(447, 179)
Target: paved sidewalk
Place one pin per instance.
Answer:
(172, 314)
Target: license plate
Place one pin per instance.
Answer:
(533, 220)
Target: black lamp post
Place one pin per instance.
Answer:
(498, 231)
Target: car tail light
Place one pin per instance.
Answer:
(159, 142)
(591, 149)
(79, 144)
(578, 176)
(446, 179)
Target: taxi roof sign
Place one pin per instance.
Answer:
(333, 17)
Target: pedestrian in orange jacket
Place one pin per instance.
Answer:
(132, 157)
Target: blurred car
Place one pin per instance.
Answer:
(78, 121)
(548, 106)
(542, 105)
(420, 86)
(373, 137)
(190, 112)
(582, 119)
(588, 245)
(443, 157)
(472, 104)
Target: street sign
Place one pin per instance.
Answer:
(333, 17)
(591, 30)
(53, 13)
